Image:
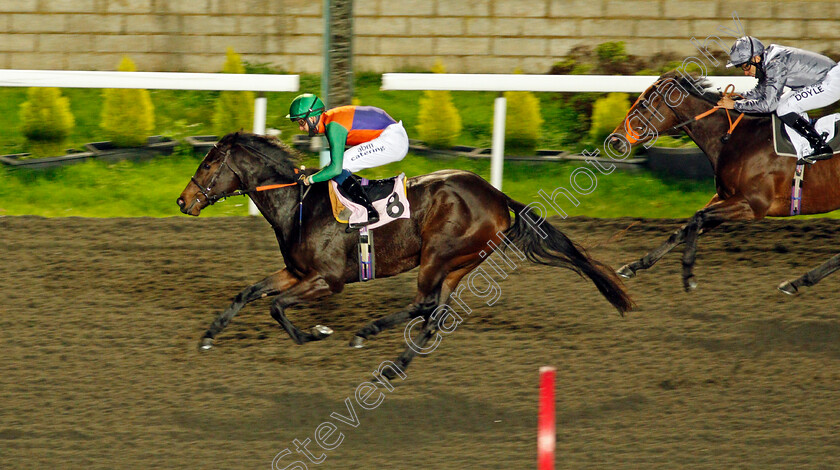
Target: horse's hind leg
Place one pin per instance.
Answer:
(811, 277)
(271, 285)
(430, 325)
(424, 304)
(389, 321)
(417, 346)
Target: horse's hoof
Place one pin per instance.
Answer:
(357, 342)
(788, 288)
(321, 331)
(386, 382)
(690, 284)
(206, 344)
(626, 272)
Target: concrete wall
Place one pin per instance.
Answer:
(391, 35)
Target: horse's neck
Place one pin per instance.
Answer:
(279, 207)
(275, 204)
(706, 132)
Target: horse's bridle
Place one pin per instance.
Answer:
(205, 191)
(658, 93)
(726, 92)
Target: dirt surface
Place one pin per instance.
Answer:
(100, 320)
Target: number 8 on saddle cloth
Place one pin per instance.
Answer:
(388, 197)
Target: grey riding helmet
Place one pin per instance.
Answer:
(743, 51)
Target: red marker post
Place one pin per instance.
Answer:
(546, 430)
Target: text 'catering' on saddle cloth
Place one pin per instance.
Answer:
(387, 196)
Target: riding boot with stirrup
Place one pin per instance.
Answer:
(354, 191)
(821, 149)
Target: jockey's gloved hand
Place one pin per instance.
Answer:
(304, 180)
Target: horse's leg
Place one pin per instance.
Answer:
(271, 285)
(734, 208)
(629, 270)
(313, 286)
(375, 327)
(422, 304)
(430, 326)
(418, 344)
(811, 277)
(280, 282)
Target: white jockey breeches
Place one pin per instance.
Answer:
(811, 97)
(391, 146)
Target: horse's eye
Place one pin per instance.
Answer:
(205, 165)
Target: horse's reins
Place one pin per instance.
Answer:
(729, 91)
(205, 191)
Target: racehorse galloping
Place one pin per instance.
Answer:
(751, 180)
(454, 214)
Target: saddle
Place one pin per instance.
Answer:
(788, 143)
(388, 197)
(375, 189)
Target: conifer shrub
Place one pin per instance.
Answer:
(128, 115)
(607, 113)
(439, 121)
(523, 120)
(234, 110)
(46, 116)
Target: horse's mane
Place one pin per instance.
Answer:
(274, 152)
(706, 91)
(692, 82)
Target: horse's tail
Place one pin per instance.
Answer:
(544, 244)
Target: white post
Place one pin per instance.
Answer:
(497, 160)
(260, 107)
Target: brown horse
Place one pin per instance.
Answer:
(751, 180)
(454, 215)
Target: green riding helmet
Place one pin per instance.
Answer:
(305, 106)
(309, 107)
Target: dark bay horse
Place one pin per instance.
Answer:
(454, 214)
(751, 180)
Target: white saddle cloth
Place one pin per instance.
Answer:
(390, 208)
(824, 124)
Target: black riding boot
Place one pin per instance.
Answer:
(821, 150)
(354, 191)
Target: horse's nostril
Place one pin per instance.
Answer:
(180, 202)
